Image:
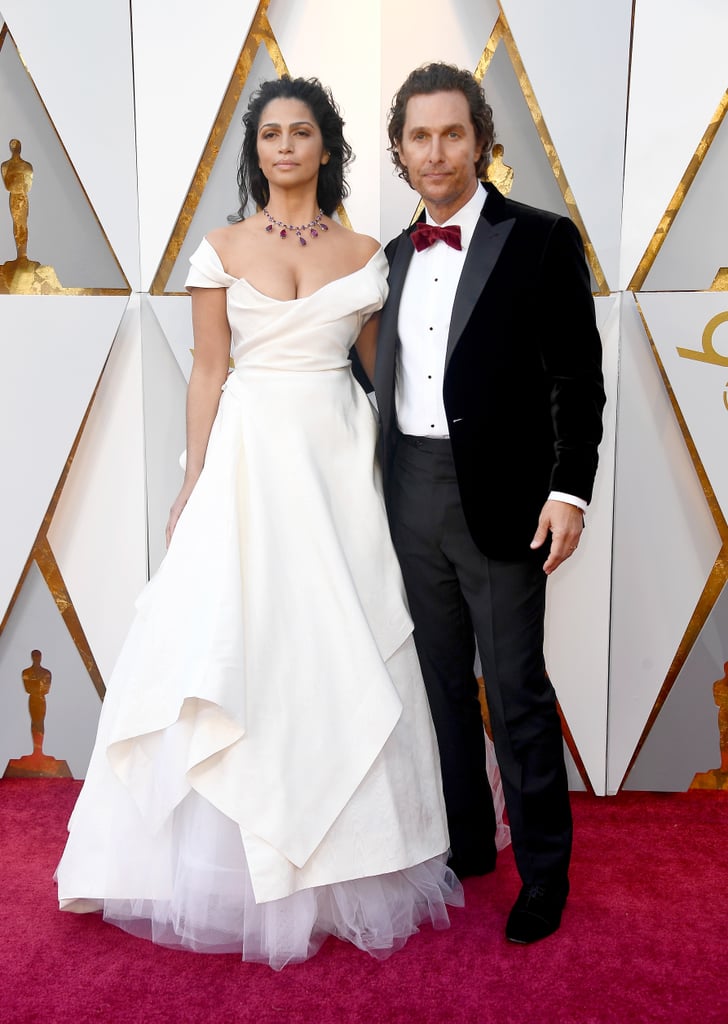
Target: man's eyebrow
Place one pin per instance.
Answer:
(430, 128)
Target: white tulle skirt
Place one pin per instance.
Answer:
(212, 908)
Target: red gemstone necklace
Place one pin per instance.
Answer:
(312, 227)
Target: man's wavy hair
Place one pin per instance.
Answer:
(332, 187)
(440, 77)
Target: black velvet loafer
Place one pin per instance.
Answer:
(536, 913)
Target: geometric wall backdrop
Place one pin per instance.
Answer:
(98, 532)
(183, 60)
(165, 388)
(577, 57)
(45, 340)
(613, 113)
(700, 212)
(664, 548)
(172, 314)
(682, 328)
(579, 594)
(677, 84)
(685, 740)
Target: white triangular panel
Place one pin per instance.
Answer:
(583, 104)
(72, 705)
(677, 80)
(682, 326)
(98, 533)
(665, 544)
(174, 317)
(184, 57)
(164, 425)
(78, 54)
(53, 350)
(577, 622)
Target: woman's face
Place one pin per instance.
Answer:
(290, 145)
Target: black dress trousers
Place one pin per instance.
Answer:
(457, 596)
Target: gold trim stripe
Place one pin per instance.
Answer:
(673, 207)
(46, 562)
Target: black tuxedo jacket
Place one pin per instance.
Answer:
(523, 387)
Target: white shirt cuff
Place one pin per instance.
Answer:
(570, 499)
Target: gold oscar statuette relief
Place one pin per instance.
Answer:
(22, 276)
(717, 778)
(37, 683)
(498, 172)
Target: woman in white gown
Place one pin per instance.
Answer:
(265, 771)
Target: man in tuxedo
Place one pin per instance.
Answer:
(489, 387)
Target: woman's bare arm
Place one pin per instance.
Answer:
(366, 345)
(211, 362)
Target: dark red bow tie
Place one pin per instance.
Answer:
(425, 235)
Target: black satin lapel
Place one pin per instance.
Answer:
(485, 247)
(398, 271)
(388, 334)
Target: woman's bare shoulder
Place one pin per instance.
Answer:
(362, 247)
(369, 245)
(230, 237)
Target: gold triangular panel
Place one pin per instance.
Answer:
(51, 242)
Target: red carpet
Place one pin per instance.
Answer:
(644, 938)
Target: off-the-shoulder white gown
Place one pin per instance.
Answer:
(265, 771)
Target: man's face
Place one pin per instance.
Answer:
(440, 151)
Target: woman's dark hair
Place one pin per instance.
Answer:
(441, 77)
(332, 188)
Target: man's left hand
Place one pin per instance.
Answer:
(566, 523)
